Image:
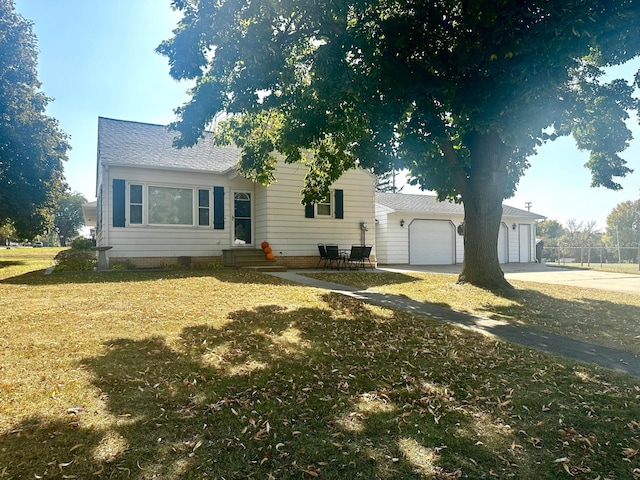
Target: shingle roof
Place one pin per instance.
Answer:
(402, 202)
(135, 144)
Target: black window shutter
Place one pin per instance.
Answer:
(339, 199)
(308, 210)
(119, 203)
(218, 208)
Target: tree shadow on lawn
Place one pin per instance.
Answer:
(603, 322)
(10, 263)
(345, 391)
(234, 275)
(365, 279)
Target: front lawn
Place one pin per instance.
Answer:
(597, 316)
(236, 374)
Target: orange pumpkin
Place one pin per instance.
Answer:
(270, 256)
(264, 245)
(268, 250)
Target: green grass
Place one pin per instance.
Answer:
(236, 374)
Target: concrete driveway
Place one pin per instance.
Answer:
(536, 272)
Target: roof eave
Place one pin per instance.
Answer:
(168, 168)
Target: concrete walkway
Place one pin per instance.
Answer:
(618, 360)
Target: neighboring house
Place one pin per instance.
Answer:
(418, 230)
(156, 203)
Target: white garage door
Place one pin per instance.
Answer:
(431, 242)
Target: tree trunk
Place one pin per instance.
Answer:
(482, 196)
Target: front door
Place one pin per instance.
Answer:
(242, 220)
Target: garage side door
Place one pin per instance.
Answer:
(525, 243)
(431, 242)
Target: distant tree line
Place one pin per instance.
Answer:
(619, 242)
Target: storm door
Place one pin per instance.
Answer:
(242, 219)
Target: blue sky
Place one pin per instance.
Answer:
(97, 58)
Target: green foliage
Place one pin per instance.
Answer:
(82, 244)
(459, 93)
(7, 231)
(387, 183)
(32, 146)
(75, 260)
(623, 224)
(68, 215)
(123, 266)
(549, 229)
(435, 77)
(80, 257)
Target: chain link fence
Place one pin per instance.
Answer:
(590, 254)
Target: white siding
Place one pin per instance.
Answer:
(459, 240)
(514, 244)
(167, 241)
(260, 209)
(398, 240)
(381, 233)
(503, 243)
(291, 234)
(521, 239)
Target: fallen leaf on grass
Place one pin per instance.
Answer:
(63, 465)
(566, 468)
(312, 471)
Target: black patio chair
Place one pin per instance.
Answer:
(333, 256)
(323, 256)
(366, 254)
(356, 256)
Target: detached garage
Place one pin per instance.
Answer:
(418, 230)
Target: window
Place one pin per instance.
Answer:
(170, 206)
(323, 208)
(203, 208)
(135, 204)
(140, 204)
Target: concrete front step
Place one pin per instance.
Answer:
(250, 258)
(267, 268)
(253, 262)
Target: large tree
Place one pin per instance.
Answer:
(32, 146)
(68, 216)
(462, 92)
(623, 229)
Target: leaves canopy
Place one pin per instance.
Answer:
(68, 216)
(458, 92)
(549, 229)
(358, 82)
(32, 147)
(623, 224)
